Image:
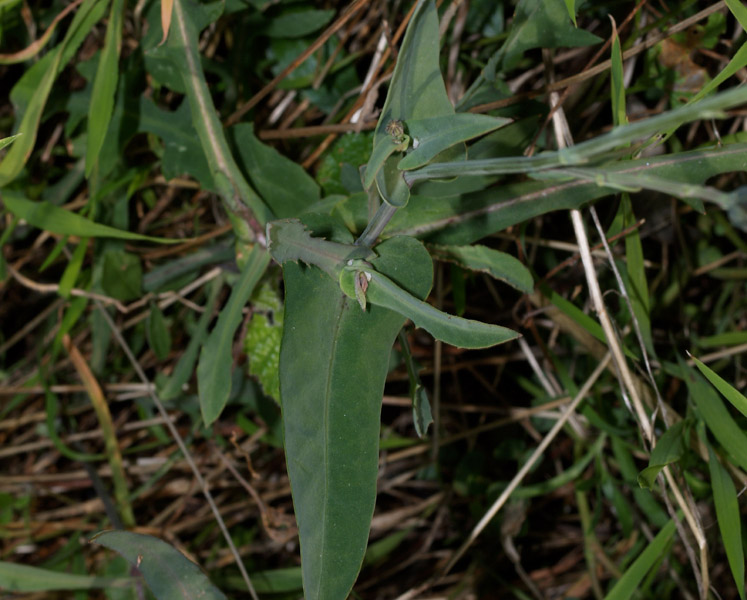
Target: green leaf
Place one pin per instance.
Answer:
(283, 184)
(457, 331)
(70, 276)
(541, 24)
(183, 370)
(466, 218)
(421, 407)
(233, 188)
(182, 151)
(168, 573)
(617, 85)
(431, 136)
(727, 391)
(728, 517)
(715, 415)
(262, 342)
(628, 584)
(636, 271)
(571, 7)
(334, 359)
(122, 275)
(104, 86)
(297, 23)
(38, 81)
(669, 449)
(157, 331)
(52, 218)
(216, 356)
(290, 240)
(417, 91)
(15, 577)
(498, 265)
(5, 142)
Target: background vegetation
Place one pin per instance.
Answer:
(130, 208)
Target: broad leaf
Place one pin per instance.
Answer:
(417, 91)
(216, 357)
(283, 184)
(169, 574)
(333, 363)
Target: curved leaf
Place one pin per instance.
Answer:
(487, 260)
(64, 222)
(216, 356)
(727, 391)
(729, 520)
(104, 86)
(451, 329)
(168, 573)
(627, 585)
(333, 363)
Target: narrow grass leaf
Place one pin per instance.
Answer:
(157, 332)
(617, 85)
(104, 86)
(216, 356)
(498, 265)
(457, 331)
(715, 415)
(727, 391)
(628, 584)
(52, 218)
(636, 271)
(15, 577)
(669, 449)
(169, 574)
(72, 270)
(728, 517)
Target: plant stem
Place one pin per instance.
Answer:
(376, 225)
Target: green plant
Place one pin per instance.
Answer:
(357, 268)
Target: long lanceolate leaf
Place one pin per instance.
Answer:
(104, 86)
(333, 364)
(243, 202)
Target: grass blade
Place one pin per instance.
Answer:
(627, 585)
(727, 391)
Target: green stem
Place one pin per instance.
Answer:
(376, 225)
